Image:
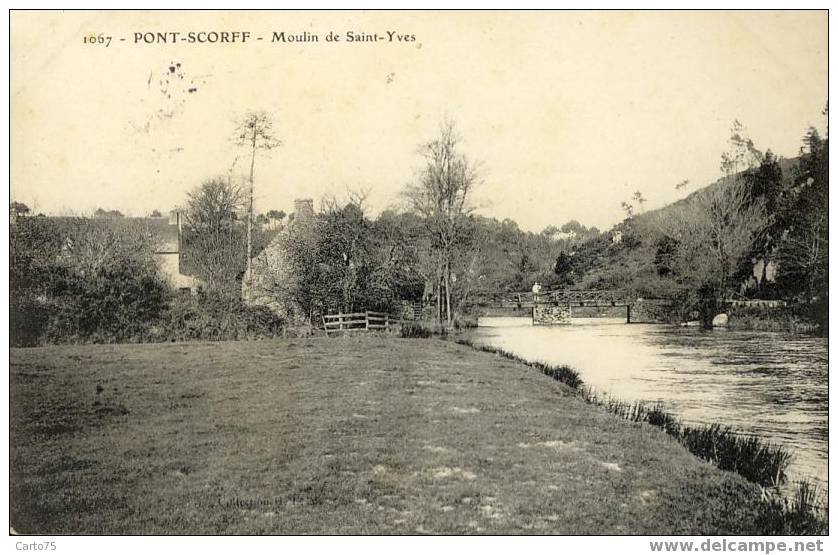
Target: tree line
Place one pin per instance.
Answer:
(78, 279)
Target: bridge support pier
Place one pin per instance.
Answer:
(551, 314)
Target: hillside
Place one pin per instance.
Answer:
(762, 233)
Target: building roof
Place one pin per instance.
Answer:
(163, 233)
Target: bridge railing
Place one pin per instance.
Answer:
(575, 296)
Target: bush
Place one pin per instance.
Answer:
(80, 280)
(28, 320)
(111, 304)
(415, 330)
(216, 317)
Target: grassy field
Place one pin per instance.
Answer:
(339, 435)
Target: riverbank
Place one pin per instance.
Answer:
(340, 435)
(796, 319)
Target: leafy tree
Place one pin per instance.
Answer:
(564, 269)
(155, 214)
(741, 153)
(666, 250)
(107, 214)
(19, 208)
(803, 222)
(766, 181)
(343, 261)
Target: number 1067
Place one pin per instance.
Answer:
(98, 39)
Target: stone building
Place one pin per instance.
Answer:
(271, 279)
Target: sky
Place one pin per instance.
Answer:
(568, 113)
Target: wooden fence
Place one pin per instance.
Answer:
(357, 321)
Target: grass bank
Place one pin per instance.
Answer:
(340, 435)
(760, 462)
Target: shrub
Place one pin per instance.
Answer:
(116, 303)
(795, 318)
(81, 280)
(414, 330)
(216, 317)
(28, 320)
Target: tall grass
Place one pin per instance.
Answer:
(758, 461)
(804, 512)
(415, 330)
(425, 329)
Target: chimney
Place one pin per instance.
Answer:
(303, 210)
(175, 219)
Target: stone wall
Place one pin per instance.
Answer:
(551, 315)
(650, 311)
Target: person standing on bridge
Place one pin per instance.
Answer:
(536, 290)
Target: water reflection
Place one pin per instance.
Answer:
(766, 383)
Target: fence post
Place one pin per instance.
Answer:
(367, 319)
(340, 321)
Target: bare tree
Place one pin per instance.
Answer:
(441, 196)
(716, 229)
(212, 242)
(256, 133)
(741, 154)
(717, 225)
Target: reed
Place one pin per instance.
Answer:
(416, 330)
(758, 461)
(804, 512)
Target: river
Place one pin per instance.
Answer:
(769, 384)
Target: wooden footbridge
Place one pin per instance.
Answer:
(556, 307)
(567, 297)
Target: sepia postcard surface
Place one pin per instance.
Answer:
(419, 272)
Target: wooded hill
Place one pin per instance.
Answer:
(758, 233)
